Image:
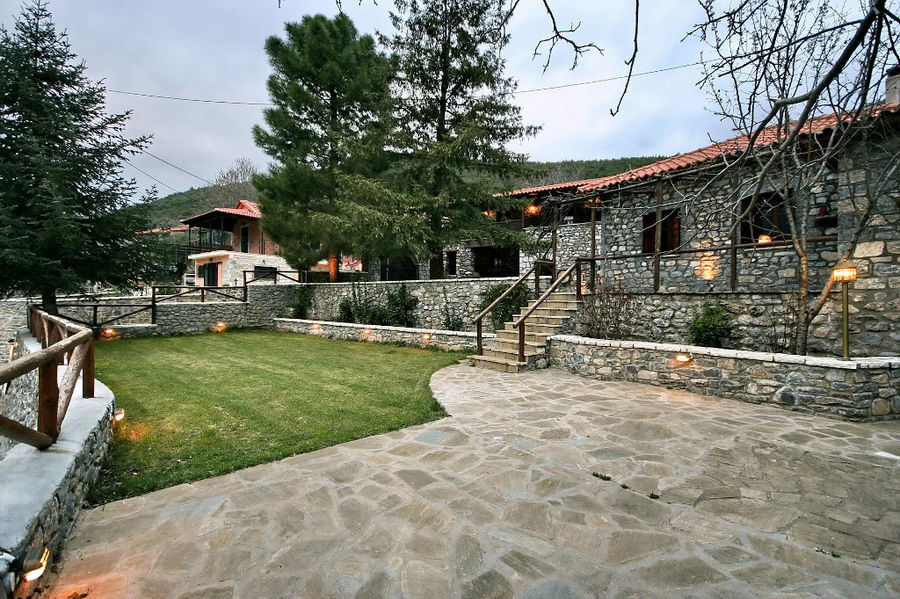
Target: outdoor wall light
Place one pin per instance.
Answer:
(220, 327)
(683, 358)
(426, 337)
(119, 414)
(533, 209)
(844, 275)
(764, 239)
(35, 563)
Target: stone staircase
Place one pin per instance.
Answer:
(552, 317)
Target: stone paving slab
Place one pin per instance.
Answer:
(541, 485)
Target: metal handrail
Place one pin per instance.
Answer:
(535, 268)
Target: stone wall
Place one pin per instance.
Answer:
(862, 389)
(233, 268)
(264, 303)
(12, 318)
(573, 240)
(446, 340)
(437, 298)
(19, 397)
(41, 492)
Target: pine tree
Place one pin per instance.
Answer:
(457, 119)
(63, 199)
(331, 90)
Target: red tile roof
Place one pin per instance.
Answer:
(245, 208)
(729, 147)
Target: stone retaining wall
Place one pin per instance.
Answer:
(446, 340)
(437, 298)
(859, 389)
(41, 492)
(19, 397)
(12, 318)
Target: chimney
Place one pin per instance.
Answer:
(892, 85)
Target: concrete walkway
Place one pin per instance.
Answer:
(509, 498)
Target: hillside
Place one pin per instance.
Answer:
(169, 210)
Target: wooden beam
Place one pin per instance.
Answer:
(20, 366)
(19, 432)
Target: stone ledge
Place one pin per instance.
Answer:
(697, 350)
(449, 340)
(41, 491)
(412, 282)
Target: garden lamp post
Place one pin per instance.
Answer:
(844, 275)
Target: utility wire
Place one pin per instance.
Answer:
(175, 166)
(520, 91)
(145, 173)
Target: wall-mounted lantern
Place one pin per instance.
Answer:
(683, 358)
(764, 239)
(844, 275)
(533, 209)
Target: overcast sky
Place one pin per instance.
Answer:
(213, 49)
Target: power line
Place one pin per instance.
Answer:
(204, 101)
(145, 173)
(175, 166)
(519, 91)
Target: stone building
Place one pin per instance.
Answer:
(677, 234)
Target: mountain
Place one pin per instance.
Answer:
(169, 210)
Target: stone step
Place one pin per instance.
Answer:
(513, 344)
(546, 319)
(533, 328)
(509, 354)
(544, 310)
(560, 304)
(513, 335)
(499, 364)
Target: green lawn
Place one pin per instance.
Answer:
(205, 405)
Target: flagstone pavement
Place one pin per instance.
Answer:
(540, 485)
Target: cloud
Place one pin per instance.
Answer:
(215, 50)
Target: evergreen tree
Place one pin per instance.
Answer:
(62, 194)
(456, 119)
(331, 90)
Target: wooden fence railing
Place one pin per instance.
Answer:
(62, 342)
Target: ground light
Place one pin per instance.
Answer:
(426, 337)
(221, 326)
(119, 414)
(35, 563)
(844, 275)
(109, 333)
(683, 358)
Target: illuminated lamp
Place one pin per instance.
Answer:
(109, 332)
(220, 327)
(764, 239)
(533, 209)
(119, 414)
(845, 274)
(683, 358)
(35, 563)
(316, 328)
(426, 337)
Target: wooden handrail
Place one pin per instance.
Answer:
(537, 276)
(520, 323)
(77, 349)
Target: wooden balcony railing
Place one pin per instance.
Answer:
(62, 342)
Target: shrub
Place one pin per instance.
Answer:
(505, 310)
(711, 326)
(610, 312)
(450, 322)
(304, 302)
(399, 309)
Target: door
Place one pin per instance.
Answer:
(245, 239)
(210, 274)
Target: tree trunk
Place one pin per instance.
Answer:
(804, 317)
(48, 301)
(332, 267)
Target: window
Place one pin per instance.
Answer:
(769, 216)
(671, 233)
(451, 263)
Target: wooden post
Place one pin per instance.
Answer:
(593, 275)
(554, 242)
(522, 341)
(537, 279)
(48, 399)
(578, 279)
(479, 350)
(87, 373)
(657, 236)
(203, 293)
(153, 305)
